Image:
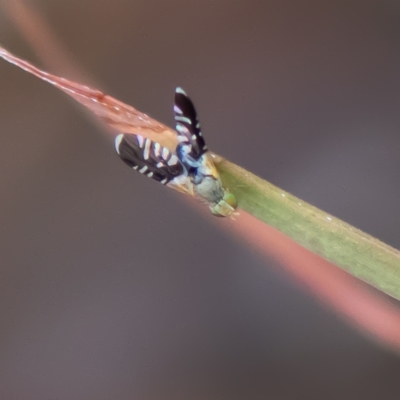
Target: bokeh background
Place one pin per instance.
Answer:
(111, 286)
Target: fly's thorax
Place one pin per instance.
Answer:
(208, 188)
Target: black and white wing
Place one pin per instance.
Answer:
(149, 158)
(191, 143)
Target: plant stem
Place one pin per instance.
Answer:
(338, 242)
(354, 251)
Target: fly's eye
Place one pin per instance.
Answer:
(225, 207)
(230, 199)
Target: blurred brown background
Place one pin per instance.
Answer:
(111, 287)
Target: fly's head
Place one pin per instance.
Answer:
(225, 207)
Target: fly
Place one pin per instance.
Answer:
(190, 170)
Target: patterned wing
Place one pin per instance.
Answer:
(192, 145)
(149, 158)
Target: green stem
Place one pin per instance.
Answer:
(349, 248)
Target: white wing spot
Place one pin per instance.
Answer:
(150, 174)
(173, 160)
(164, 181)
(143, 169)
(157, 148)
(180, 90)
(177, 110)
(135, 167)
(146, 152)
(160, 164)
(140, 140)
(182, 129)
(118, 141)
(183, 119)
(165, 153)
(194, 137)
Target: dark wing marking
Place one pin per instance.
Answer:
(148, 157)
(188, 128)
